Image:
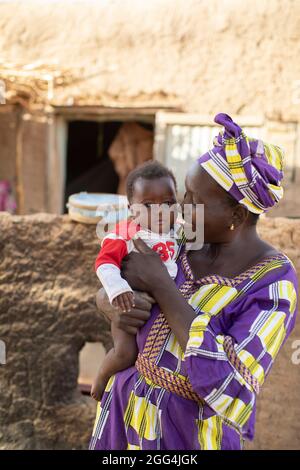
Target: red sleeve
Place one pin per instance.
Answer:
(111, 252)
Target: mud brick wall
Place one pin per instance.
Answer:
(47, 312)
(34, 165)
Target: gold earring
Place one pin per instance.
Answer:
(232, 227)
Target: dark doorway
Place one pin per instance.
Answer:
(89, 167)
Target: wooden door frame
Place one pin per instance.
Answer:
(58, 139)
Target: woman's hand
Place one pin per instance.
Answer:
(131, 321)
(144, 270)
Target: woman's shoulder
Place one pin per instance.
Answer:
(275, 277)
(272, 267)
(287, 268)
(271, 282)
(272, 288)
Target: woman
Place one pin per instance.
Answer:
(204, 359)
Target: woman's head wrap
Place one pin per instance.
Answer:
(249, 169)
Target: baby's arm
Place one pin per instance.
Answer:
(107, 267)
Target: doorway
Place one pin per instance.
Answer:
(88, 164)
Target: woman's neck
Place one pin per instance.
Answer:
(242, 239)
(230, 258)
(246, 244)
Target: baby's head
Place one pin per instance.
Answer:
(149, 186)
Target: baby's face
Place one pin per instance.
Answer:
(151, 203)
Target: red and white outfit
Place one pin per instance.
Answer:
(118, 244)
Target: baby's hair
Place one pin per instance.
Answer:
(149, 171)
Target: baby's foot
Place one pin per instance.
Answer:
(98, 388)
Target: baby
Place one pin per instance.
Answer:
(147, 185)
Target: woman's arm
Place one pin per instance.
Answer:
(178, 313)
(228, 369)
(139, 273)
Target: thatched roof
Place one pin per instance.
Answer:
(199, 55)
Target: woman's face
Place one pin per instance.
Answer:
(201, 188)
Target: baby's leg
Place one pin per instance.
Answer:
(121, 356)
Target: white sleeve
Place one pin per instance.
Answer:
(112, 281)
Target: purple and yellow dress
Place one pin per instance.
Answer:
(204, 398)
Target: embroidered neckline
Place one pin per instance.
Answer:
(219, 279)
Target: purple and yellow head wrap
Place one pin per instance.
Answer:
(248, 169)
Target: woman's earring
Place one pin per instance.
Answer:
(232, 227)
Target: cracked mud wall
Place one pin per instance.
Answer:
(47, 305)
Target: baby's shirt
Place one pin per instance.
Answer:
(117, 244)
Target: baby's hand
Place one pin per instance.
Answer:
(124, 301)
